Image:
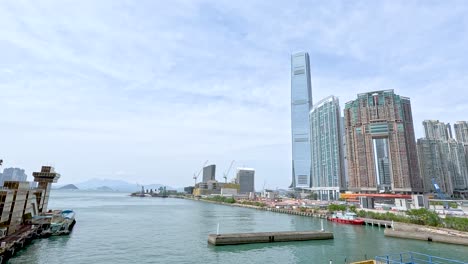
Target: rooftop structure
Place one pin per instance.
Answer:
(45, 178)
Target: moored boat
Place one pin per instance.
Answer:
(346, 218)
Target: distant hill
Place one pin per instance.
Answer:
(68, 187)
(116, 185)
(104, 189)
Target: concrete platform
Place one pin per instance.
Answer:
(267, 237)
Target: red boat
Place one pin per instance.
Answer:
(346, 218)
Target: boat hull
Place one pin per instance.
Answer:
(346, 221)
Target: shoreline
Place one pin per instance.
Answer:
(400, 230)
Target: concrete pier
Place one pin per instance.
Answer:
(410, 231)
(267, 237)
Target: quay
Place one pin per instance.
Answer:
(266, 237)
(11, 244)
(379, 223)
(425, 233)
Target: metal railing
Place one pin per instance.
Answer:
(415, 258)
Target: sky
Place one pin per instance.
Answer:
(147, 91)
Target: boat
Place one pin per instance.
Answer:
(59, 222)
(346, 218)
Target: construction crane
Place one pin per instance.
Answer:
(440, 193)
(195, 175)
(227, 172)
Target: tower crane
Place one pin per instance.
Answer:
(227, 172)
(195, 175)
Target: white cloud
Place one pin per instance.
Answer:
(155, 88)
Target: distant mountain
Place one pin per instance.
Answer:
(116, 185)
(104, 189)
(68, 187)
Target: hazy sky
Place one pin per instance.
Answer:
(146, 91)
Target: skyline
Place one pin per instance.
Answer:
(146, 92)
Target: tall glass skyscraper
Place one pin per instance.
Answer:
(327, 149)
(301, 104)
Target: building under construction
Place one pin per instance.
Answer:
(381, 146)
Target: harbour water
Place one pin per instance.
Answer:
(115, 228)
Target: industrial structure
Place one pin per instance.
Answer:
(381, 146)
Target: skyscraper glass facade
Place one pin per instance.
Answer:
(326, 149)
(301, 104)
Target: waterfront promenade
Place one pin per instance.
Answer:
(396, 229)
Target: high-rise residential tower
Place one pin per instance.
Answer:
(301, 104)
(433, 164)
(380, 142)
(461, 131)
(436, 130)
(327, 149)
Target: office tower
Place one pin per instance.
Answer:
(245, 178)
(209, 173)
(301, 104)
(461, 131)
(44, 178)
(435, 130)
(326, 148)
(381, 147)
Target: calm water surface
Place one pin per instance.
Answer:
(115, 228)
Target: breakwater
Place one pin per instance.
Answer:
(266, 237)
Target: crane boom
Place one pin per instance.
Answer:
(195, 175)
(227, 172)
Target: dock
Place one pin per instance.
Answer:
(266, 237)
(379, 223)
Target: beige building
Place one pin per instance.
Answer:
(380, 142)
(18, 202)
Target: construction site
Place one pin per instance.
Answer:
(241, 185)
